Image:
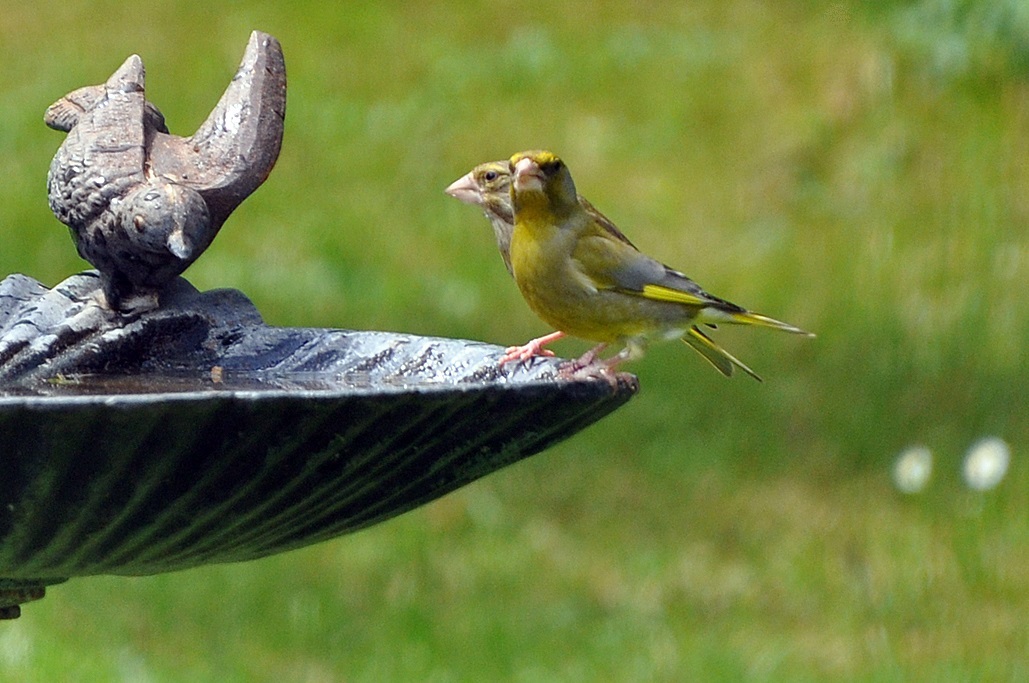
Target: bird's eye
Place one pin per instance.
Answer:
(490, 176)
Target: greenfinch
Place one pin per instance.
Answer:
(581, 275)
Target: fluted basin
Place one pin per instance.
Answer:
(223, 439)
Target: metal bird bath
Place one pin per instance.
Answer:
(147, 427)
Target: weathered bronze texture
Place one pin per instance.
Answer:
(143, 204)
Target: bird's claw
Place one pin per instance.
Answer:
(524, 353)
(532, 349)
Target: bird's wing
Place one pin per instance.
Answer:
(677, 288)
(612, 263)
(603, 222)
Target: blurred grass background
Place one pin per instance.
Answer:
(858, 169)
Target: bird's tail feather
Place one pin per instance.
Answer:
(748, 318)
(715, 354)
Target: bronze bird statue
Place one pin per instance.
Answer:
(142, 204)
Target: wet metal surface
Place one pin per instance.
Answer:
(196, 434)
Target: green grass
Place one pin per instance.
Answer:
(859, 173)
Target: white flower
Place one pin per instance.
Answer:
(912, 469)
(986, 463)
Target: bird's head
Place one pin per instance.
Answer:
(541, 178)
(487, 186)
(482, 183)
(162, 217)
(494, 177)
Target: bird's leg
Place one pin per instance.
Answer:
(121, 296)
(612, 363)
(591, 365)
(532, 348)
(634, 349)
(585, 360)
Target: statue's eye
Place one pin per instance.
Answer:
(490, 176)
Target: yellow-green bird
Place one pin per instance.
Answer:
(580, 274)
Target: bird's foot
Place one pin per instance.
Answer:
(531, 349)
(591, 365)
(586, 360)
(132, 304)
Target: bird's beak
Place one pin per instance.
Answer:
(179, 245)
(465, 189)
(528, 176)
